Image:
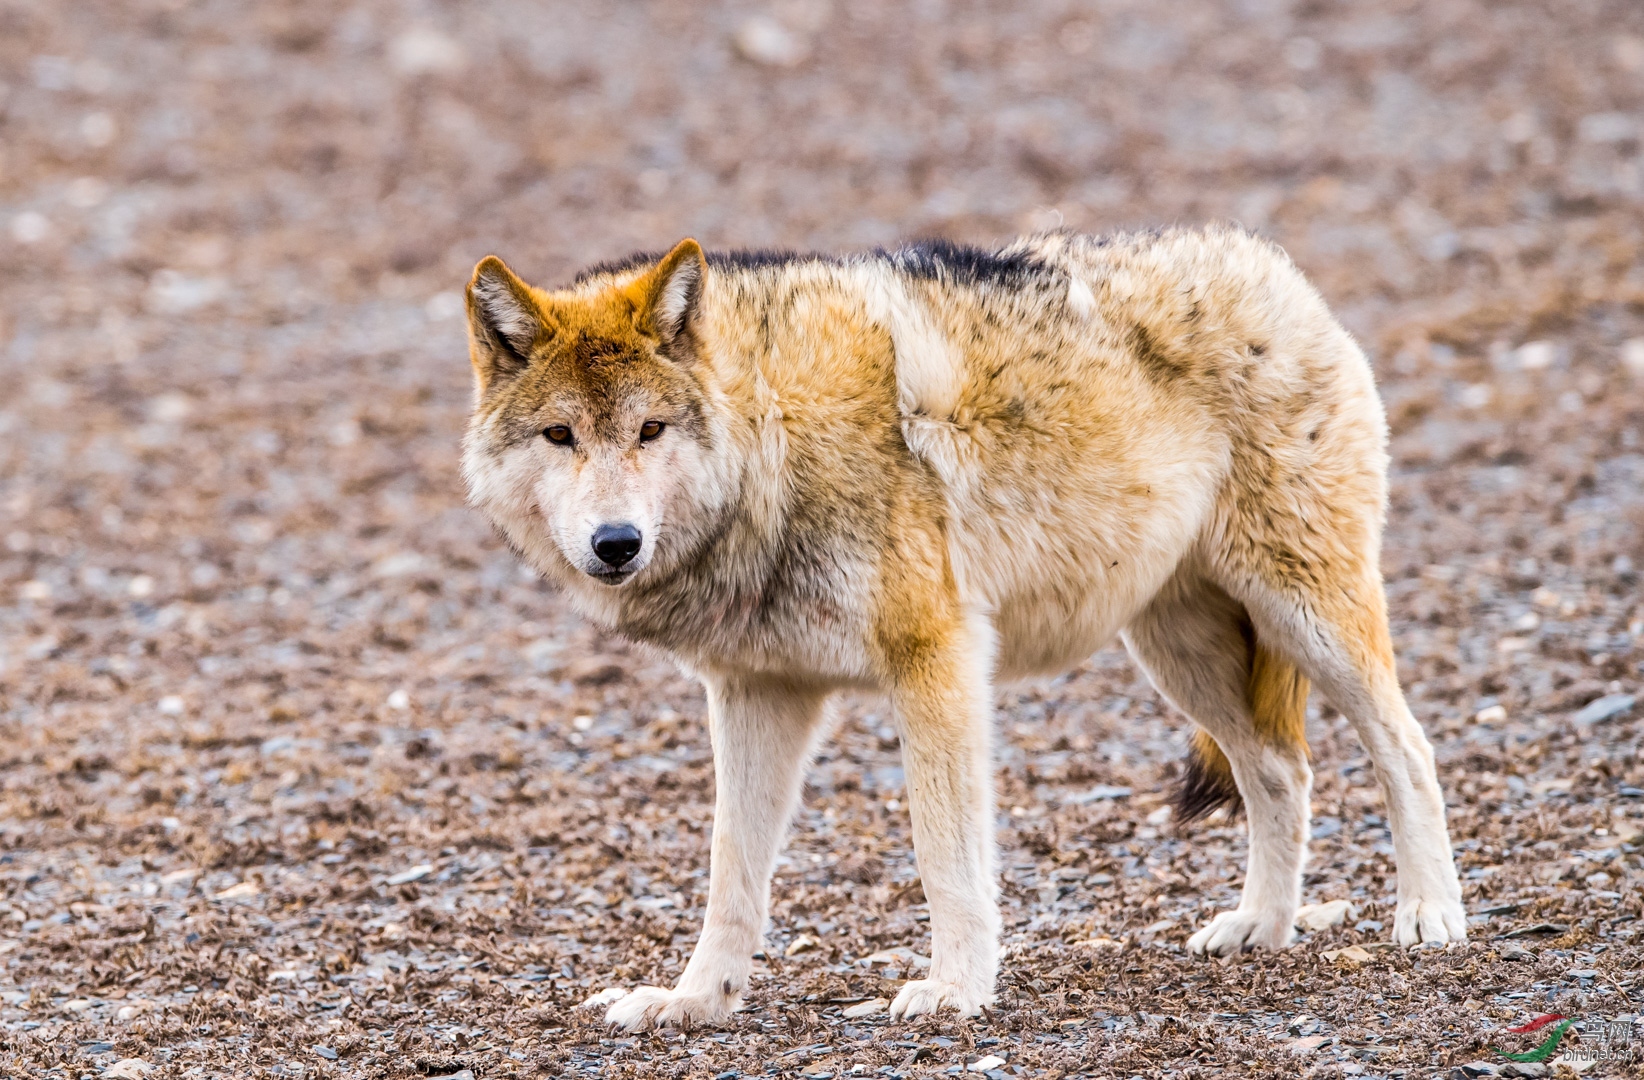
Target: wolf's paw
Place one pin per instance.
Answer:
(1238, 930)
(652, 1006)
(1422, 920)
(928, 995)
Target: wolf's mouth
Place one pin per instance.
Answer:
(610, 577)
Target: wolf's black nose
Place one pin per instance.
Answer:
(616, 544)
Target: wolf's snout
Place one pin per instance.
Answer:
(616, 544)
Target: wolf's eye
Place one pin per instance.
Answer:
(650, 429)
(558, 434)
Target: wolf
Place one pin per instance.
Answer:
(929, 470)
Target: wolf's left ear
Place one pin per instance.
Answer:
(666, 299)
(504, 321)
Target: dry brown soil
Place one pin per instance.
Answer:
(260, 668)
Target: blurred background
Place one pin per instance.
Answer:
(258, 663)
(272, 159)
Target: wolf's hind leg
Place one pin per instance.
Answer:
(1196, 645)
(1340, 638)
(762, 732)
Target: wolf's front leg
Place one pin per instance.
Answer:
(761, 732)
(944, 706)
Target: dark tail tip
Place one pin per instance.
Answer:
(1207, 784)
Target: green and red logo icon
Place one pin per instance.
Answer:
(1549, 1045)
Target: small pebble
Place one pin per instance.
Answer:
(128, 1069)
(1324, 916)
(416, 873)
(770, 44)
(1605, 708)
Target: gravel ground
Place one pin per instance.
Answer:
(300, 775)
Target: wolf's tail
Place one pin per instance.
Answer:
(1277, 694)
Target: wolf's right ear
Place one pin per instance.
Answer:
(504, 322)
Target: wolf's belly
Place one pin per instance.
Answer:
(1050, 613)
(1047, 639)
(1048, 633)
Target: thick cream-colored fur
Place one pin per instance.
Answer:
(926, 471)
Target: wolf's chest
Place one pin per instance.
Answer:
(813, 632)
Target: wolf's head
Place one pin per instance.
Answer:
(592, 444)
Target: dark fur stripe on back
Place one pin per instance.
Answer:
(759, 258)
(619, 266)
(938, 260)
(943, 260)
(754, 259)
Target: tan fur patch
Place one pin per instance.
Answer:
(1278, 698)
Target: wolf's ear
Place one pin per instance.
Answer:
(666, 299)
(504, 321)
